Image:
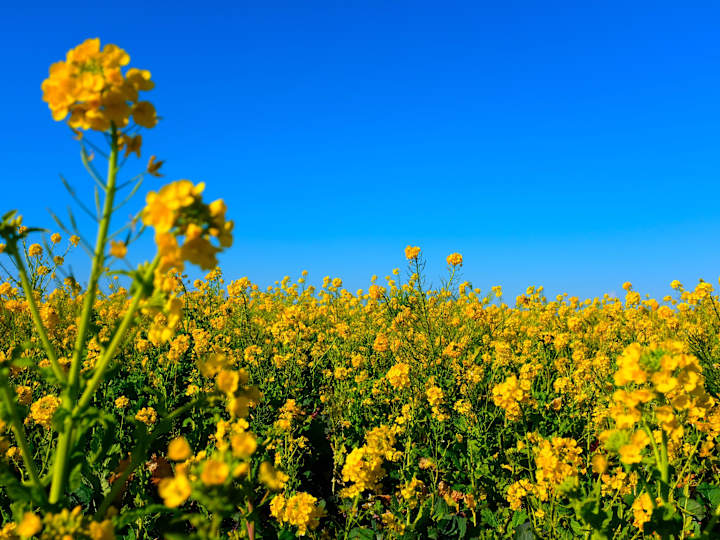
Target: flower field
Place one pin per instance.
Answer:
(155, 406)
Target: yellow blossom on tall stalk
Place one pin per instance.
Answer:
(91, 87)
(455, 259)
(177, 210)
(412, 253)
(77, 337)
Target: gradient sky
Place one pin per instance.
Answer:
(568, 144)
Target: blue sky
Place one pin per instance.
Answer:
(568, 144)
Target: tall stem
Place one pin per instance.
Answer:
(62, 453)
(112, 347)
(97, 266)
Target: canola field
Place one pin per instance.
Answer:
(154, 406)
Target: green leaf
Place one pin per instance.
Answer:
(285, 534)
(710, 493)
(693, 507)
(524, 532)
(361, 533)
(128, 517)
(488, 518)
(520, 516)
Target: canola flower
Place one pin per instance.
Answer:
(407, 400)
(91, 88)
(300, 510)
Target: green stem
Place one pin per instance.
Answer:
(97, 266)
(61, 462)
(19, 432)
(62, 454)
(37, 320)
(111, 349)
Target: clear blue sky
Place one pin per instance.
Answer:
(568, 144)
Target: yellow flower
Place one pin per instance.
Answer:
(642, 508)
(140, 79)
(118, 249)
(629, 368)
(214, 472)
(102, 530)
(161, 208)
(227, 381)
(90, 87)
(516, 492)
(299, 510)
(24, 394)
(509, 395)
(271, 477)
(599, 464)
(201, 252)
(411, 253)
(35, 250)
(455, 259)
(146, 415)
(397, 375)
(243, 444)
(632, 452)
(144, 114)
(375, 292)
(179, 449)
(174, 491)
(122, 402)
(42, 411)
(55, 238)
(434, 395)
(30, 525)
(130, 144)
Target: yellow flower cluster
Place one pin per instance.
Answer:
(411, 491)
(175, 490)
(178, 210)
(235, 446)
(557, 461)
(364, 465)
(517, 491)
(455, 259)
(42, 411)
(398, 375)
(658, 385)
(412, 253)
(338, 363)
(147, 416)
(64, 525)
(301, 510)
(510, 394)
(90, 86)
(287, 414)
